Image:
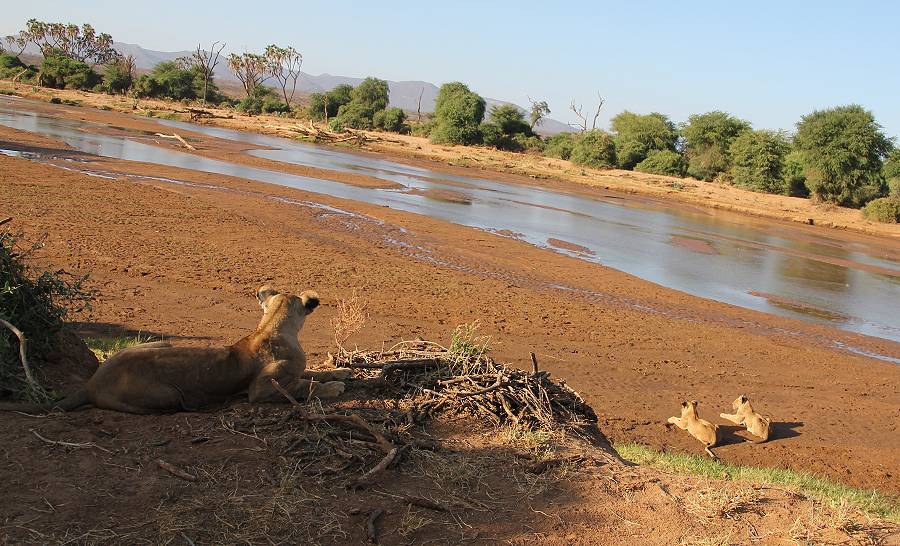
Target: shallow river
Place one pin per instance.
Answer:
(767, 266)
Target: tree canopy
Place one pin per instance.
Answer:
(458, 112)
(843, 149)
(637, 135)
(707, 139)
(594, 148)
(758, 159)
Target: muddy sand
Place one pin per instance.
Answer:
(182, 261)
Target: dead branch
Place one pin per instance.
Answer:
(6, 220)
(534, 364)
(369, 477)
(177, 137)
(175, 471)
(371, 525)
(22, 345)
(79, 445)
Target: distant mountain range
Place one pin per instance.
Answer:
(404, 94)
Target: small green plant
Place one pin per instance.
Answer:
(466, 346)
(105, 347)
(815, 487)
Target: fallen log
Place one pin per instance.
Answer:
(177, 137)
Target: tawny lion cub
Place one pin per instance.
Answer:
(744, 414)
(701, 429)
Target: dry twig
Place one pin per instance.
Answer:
(22, 348)
(175, 471)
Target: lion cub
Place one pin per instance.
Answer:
(744, 414)
(700, 429)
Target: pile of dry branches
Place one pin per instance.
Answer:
(442, 381)
(310, 131)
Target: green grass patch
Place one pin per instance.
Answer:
(10, 92)
(812, 486)
(105, 347)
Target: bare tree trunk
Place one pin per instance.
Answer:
(419, 106)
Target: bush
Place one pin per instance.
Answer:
(664, 162)
(458, 112)
(594, 149)
(36, 302)
(117, 79)
(11, 66)
(392, 119)
(884, 209)
(707, 139)
(560, 145)
(639, 135)
(355, 115)
(794, 178)
(330, 102)
(758, 161)
(842, 150)
(528, 143)
(61, 72)
(508, 130)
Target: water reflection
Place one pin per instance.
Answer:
(752, 264)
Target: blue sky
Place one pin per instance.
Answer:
(768, 62)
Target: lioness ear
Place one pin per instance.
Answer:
(743, 399)
(265, 292)
(310, 300)
(694, 403)
(684, 404)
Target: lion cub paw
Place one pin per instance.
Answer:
(331, 389)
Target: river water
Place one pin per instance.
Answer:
(772, 267)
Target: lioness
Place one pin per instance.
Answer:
(745, 415)
(700, 429)
(157, 377)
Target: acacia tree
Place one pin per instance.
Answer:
(206, 62)
(284, 63)
(82, 44)
(707, 142)
(539, 110)
(250, 68)
(15, 42)
(843, 149)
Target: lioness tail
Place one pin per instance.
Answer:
(73, 401)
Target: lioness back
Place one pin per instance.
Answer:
(166, 379)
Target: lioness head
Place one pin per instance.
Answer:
(739, 401)
(270, 298)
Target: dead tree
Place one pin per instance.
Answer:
(419, 106)
(583, 124)
(207, 61)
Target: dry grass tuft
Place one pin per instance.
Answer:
(350, 319)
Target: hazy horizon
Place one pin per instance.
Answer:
(769, 63)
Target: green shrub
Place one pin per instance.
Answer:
(884, 209)
(392, 119)
(61, 72)
(707, 139)
(560, 145)
(458, 112)
(330, 102)
(595, 149)
(664, 162)
(508, 130)
(170, 80)
(757, 159)
(794, 177)
(636, 136)
(11, 67)
(528, 143)
(491, 134)
(117, 79)
(355, 115)
(843, 149)
(36, 302)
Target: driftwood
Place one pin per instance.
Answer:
(177, 137)
(22, 349)
(324, 135)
